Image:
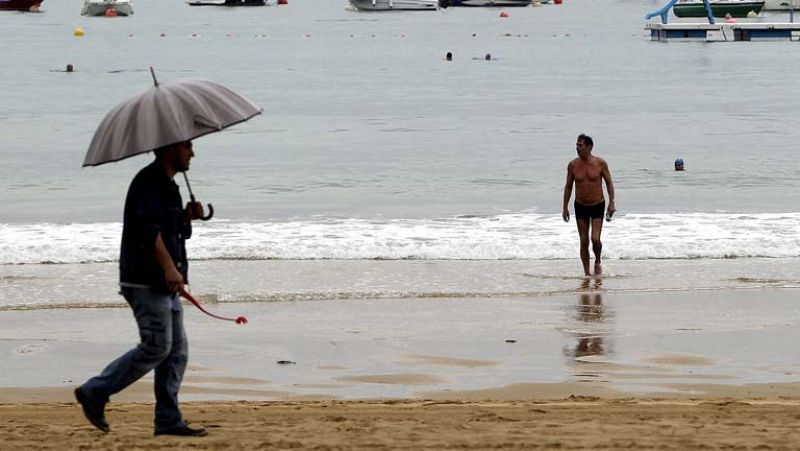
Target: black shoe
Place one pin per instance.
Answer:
(92, 410)
(184, 431)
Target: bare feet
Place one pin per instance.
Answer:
(598, 269)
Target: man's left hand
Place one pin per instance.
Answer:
(611, 208)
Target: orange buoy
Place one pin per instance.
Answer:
(111, 12)
(503, 14)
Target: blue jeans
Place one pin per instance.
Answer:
(163, 347)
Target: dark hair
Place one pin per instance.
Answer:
(161, 150)
(586, 139)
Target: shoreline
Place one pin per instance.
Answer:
(94, 285)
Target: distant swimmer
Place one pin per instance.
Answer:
(587, 173)
(449, 56)
(69, 67)
(487, 57)
(679, 164)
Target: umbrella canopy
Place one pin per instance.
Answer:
(166, 114)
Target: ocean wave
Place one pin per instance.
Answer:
(501, 237)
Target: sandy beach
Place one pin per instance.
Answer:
(583, 423)
(667, 355)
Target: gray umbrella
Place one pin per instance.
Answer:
(166, 114)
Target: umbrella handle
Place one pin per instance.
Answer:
(191, 194)
(210, 213)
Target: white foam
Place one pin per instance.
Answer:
(510, 236)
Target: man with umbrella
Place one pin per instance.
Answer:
(153, 263)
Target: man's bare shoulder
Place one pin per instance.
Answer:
(599, 161)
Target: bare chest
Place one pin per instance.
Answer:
(587, 173)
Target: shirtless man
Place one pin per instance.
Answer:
(587, 173)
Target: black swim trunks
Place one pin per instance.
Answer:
(596, 211)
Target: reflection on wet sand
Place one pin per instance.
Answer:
(590, 310)
(588, 324)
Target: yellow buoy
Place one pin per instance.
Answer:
(78, 32)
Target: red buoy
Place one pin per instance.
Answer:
(503, 14)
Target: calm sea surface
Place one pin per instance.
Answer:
(371, 145)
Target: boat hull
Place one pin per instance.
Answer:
(718, 9)
(20, 5)
(99, 9)
(395, 5)
(227, 3)
(486, 3)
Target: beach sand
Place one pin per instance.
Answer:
(582, 423)
(612, 365)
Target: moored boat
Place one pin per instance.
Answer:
(20, 5)
(227, 2)
(487, 3)
(719, 8)
(395, 5)
(107, 8)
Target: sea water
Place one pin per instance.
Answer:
(371, 146)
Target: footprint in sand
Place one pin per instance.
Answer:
(29, 348)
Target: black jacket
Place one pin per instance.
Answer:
(153, 205)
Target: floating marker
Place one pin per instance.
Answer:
(503, 14)
(78, 32)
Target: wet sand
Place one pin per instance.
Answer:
(623, 343)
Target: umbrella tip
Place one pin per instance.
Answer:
(153, 73)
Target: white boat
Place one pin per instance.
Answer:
(102, 8)
(782, 5)
(395, 5)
